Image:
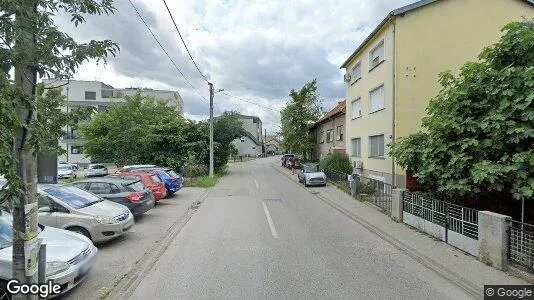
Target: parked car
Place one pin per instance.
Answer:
(66, 171)
(130, 193)
(173, 181)
(69, 256)
(309, 174)
(150, 180)
(285, 159)
(74, 166)
(132, 167)
(95, 170)
(71, 208)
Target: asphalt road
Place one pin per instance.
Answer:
(117, 257)
(260, 235)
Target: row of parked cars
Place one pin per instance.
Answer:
(72, 217)
(66, 170)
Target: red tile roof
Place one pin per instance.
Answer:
(336, 111)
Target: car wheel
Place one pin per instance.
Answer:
(81, 231)
(4, 294)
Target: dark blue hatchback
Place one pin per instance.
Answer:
(173, 181)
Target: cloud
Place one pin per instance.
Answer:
(256, 50)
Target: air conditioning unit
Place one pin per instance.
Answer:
(347, 77)
(358, 164)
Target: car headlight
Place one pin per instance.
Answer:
(55, 267)
(106, 220)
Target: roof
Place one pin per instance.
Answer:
(252, 138)
(336, 111)
(108, 179)
(393, 13)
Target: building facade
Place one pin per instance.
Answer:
(250, 145)
(393, 74)
(328, 133)
(79, 93)
(272, 147)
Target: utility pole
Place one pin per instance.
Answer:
(25, 242)
(211, 128)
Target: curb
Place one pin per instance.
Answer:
(126, 285)
(431, 264)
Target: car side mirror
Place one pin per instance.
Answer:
(44, 209)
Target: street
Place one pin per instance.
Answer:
(260, 235)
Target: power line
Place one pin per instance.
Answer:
(185, 45)
(165, 51)
(251, 102)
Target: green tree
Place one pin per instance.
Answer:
(478, 136)
(302, 109)
(226, 128)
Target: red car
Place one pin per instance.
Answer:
(150, 180)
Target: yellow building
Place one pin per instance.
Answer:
(393, 74)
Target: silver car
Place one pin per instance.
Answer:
(69, 256)
(309, 174)
(71, 208)
(66, 171)
(95, 170)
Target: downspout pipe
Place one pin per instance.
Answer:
(393, 135)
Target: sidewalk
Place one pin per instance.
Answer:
(456, 265)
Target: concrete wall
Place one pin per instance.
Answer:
(439, 37)
(380, 122)
(324, 147)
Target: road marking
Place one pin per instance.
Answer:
(269, 220)
(257, 185)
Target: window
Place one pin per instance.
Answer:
(339, 135)
(356, 108)
(100, 188)
(90, 95)
(376, 146)
(376, 99)
(75, 149)
(321, 137)
(376, 56)
(356, 147)
(114, 189)
(329, 136)
(44, 201)
(356, 73)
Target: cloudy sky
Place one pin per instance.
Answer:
(257, 50)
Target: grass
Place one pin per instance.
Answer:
(206, 181)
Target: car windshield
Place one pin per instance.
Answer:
(309, 168)
(6, 229)
(172, 173)
(73, 196)
(155, 178)
(64, 168)
(135, 186)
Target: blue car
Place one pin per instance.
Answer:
(173, 181)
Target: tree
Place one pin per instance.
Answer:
(33, 46)
(478, 136)
(302, 109)
(226, 128)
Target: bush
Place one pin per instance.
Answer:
(337, 162)
(194, 170)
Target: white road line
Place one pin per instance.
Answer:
(270, 221)
(257, 185)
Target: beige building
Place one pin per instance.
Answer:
(328, 133)
(393, 74)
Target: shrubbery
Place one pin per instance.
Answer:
(337, 162)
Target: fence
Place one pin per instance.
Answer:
(453, 224)
(521, 244)
(367, 189)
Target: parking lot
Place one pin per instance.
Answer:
(117, 257)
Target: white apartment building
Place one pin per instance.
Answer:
(99, 95)
(251, 144)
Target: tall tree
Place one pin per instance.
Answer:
(478, 136)
(302, 109)
(32, 45)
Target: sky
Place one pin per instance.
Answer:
(256, 50)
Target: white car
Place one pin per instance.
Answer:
(94, 170)
(309, 174)
(131, 167)
(66, 171)
(69, 256)
(71, 208)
